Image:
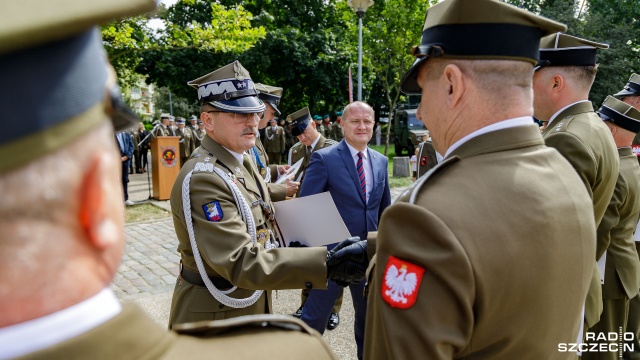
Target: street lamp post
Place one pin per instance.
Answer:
(360, 7)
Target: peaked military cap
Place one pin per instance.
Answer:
(193, 117)
(299, 121)
(632, 88)
(565, 50)
(477, 30)
(229, 89)
(620, 113)
(165, 116)
(180, 120)
(271, 95)
(55, 74)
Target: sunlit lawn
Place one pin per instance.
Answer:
(144, 212)
(394, 181)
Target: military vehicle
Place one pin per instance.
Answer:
(407, 129)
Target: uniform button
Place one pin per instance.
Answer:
(308, 285)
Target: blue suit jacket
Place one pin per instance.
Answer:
(128, 145)
(333, 169)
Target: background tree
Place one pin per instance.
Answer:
(393, 27)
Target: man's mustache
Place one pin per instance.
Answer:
(249, 131)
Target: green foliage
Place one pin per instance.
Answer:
(181, 106)
(393, 27)
(614, 22)
(223, 30)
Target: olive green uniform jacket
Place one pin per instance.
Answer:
(133, 335)
(225, 245)
(338, 133)
(276, 143)
(615, 233)
(187, 142)
(299, 151)
(278, 192)
(199, 135)
(427, 158)
(580, 135)
(504, 232)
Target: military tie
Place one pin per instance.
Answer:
(363, 180)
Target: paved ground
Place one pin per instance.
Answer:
(150, 266)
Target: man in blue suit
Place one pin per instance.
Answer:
(125, 144)
(359, 185)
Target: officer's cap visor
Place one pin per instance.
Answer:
(626, 92)
(274, 106)
(243, 105)
(122, 116)
(409, 83)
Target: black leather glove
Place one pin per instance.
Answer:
(347, 262)
(298, 244)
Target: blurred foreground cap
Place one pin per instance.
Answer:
(229, 89)
(56, 83)
(478, 30)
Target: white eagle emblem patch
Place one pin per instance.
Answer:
(401, 283)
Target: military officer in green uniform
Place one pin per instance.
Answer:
(271, 96)
(317, 119)
(200, 133)
(231, 256)
(328, 128)
(631, 95)
(615, 233)
(338, 133)
(164, 129)
(187, 140)
(464, 271)
(561, 85)
(309, 140)
(427, 157)
(62, 226)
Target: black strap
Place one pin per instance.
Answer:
(194, 278)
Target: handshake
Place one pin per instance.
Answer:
(347, 262)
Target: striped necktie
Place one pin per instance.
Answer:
(363, 180)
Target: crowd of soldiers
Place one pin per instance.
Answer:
(516, 245)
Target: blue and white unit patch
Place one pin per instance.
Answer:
(213, 211)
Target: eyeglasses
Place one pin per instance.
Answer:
(243, 118)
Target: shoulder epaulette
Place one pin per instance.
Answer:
(436, 170)
(217, 327)
(562, 124)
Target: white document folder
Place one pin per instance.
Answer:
(312, 220)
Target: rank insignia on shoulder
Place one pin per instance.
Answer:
(213, 211)
(401, 283)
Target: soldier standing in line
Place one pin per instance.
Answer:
(187, 140)
(615, 233)
(319, 126)
(274, 141)
(338, 133)
(230, 254)
(200, 133)
(491, 282)
(631, 95)
(77, 316)
(561, 84)
(326, 122)
(193, 123)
